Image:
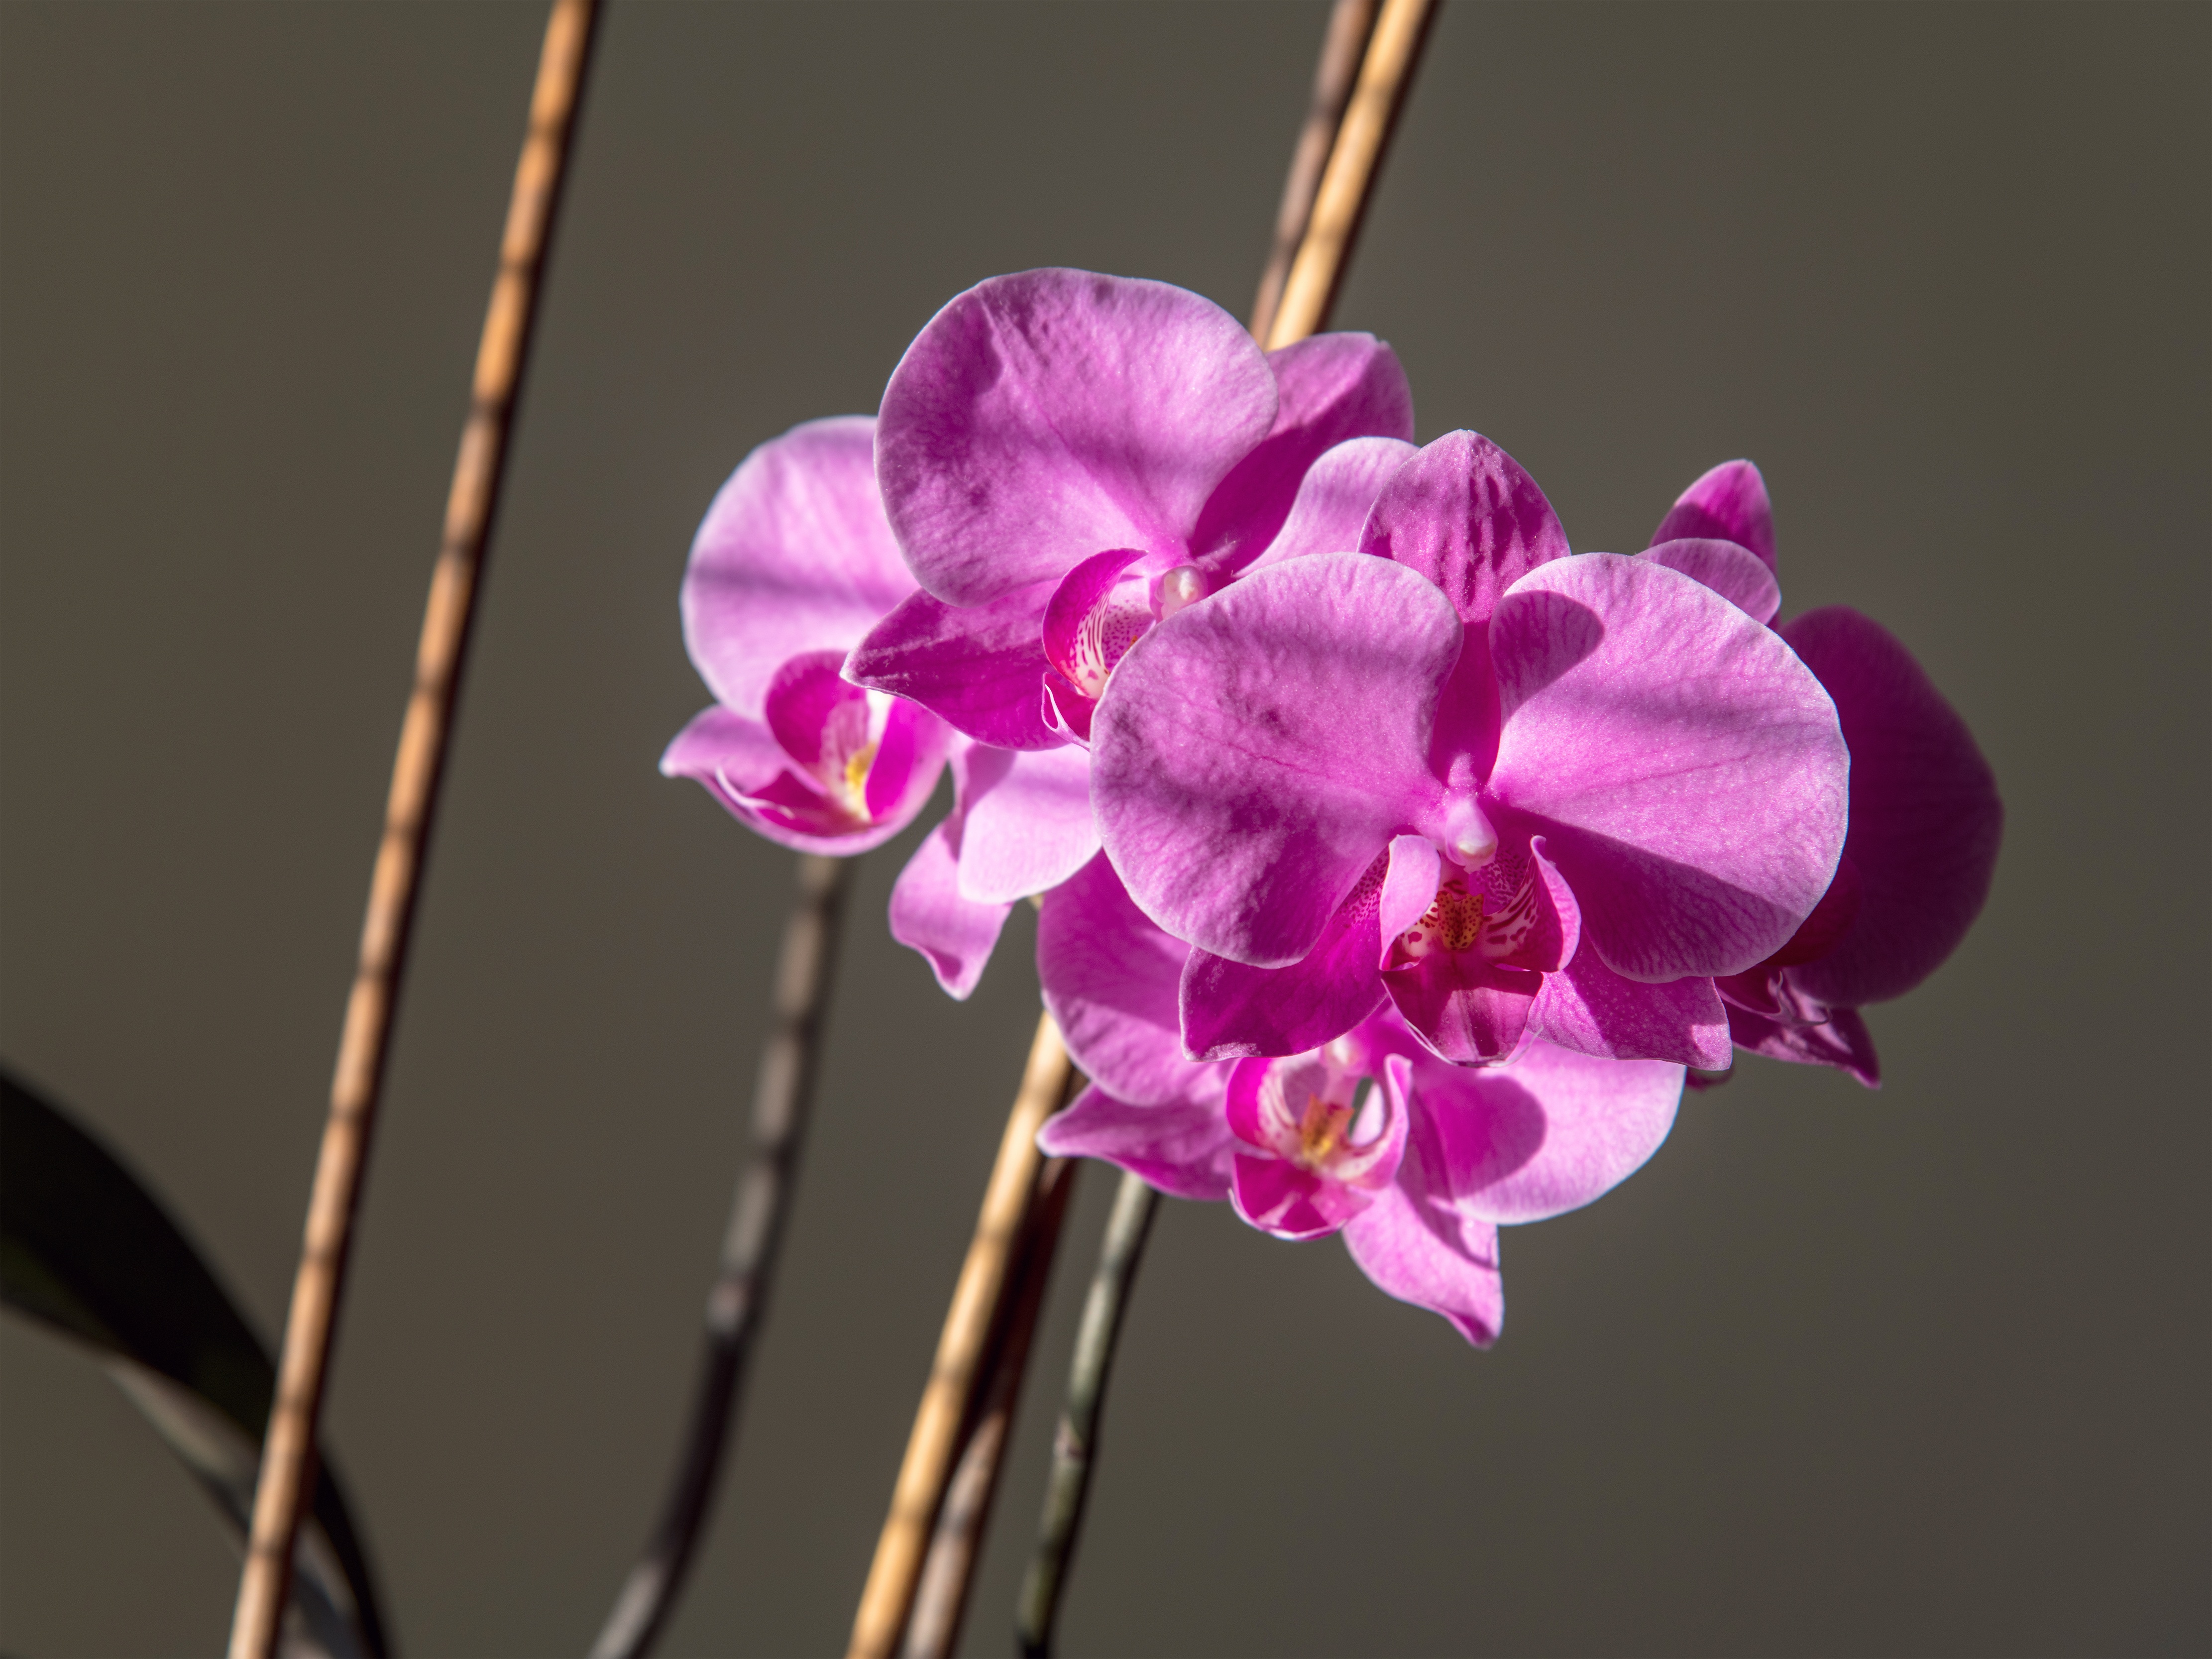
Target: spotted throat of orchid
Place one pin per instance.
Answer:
(1319, 1137)
(1101, 608)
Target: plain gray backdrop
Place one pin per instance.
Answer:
(1918, 1372)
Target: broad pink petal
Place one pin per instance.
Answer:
(795, 555)
(1925, 817)
(980, 669)
(1842, 1042)
(1042, 417)
(1028, 822)
(1419, 1246)
(1335, 499)
(1255, 752)
(1730, 569)
(1687, 769)
(1231, 1010)
(1467, 1010)
(1111, 979)
(1465, 515)
(954, 934)
(1183, 1147)
(1548, 1132)
(1332, 387)
(741, 765)
(1729, 504)
(1408, 889)
(1588, 1008)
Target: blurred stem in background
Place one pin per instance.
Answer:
(783, 1095)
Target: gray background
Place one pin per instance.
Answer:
(1918, 1372)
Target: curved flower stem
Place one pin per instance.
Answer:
(1350, 23)
(1076, 1441)
(736, 1304)
(287, 1457)
(948, 1402)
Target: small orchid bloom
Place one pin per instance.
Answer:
(1517, 794)
(1417, 1163)
(1066, 459)
(792, 565)
(1925, 817)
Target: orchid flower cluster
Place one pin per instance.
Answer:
(1395, 863)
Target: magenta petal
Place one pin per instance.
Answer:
(1028, 822)
(1408, 889)
(1925, 817)
(1465, 1009)
(1183, 1147)
(1419, 1246)
(795, 555)
(954, 934)
(1548, 1132)
(1231, 1010)
(1465, 515)
(1728, 504)
(1842, 1042)
(1551, 945)
(1730, 569)
(1281, 1198)
(741, 766)
(1687, 769)
(1335, 497)
(1333, 387)
(1042, 417)
(979, 669)
(1255, 752)
(1111, 979)
(806, 697)
(908, 757)
(1073, 605)
(1588, 1008)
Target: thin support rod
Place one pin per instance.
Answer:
(737, 1305)
(1386, 75)
(1075, 1446)
(288, 1456)
(959, 1372)
(940, 1600)
(1350, 23)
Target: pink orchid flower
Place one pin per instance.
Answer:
(1415, 1162)
(1066, 457)
(1517, 794)
(792, 565)
(1925, 818)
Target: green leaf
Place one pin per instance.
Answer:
(86, 1249)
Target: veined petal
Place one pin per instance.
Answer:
(1464, 514)
(1730, 569)
(1255, 752)
(1042, 417)
(1029, 824)
(1419, 1245)
(1231, 1010)
(1335, 499)
(1925, 821)
(795, 555)
(1588, 1008)
(1468, 1011)
(1729, 503)
(981, 669)
(1182, 1146)
(1111, 980)
(1686, 769)
(955, 935)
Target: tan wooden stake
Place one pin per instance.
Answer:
(288, 1458)
(954, 1378)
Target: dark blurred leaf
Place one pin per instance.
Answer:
(86, 1249)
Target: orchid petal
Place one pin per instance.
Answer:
(1730, 569)
(1926, 820)
(1335, 499)
(954, 934)
(1417, 1245)
(1588, 1008)
(1464, 514)
(1728, 503)
(1408, 889)
(978, 669)
(1111, 981)
(1183, 1147)
(1029, 824)
(806, 696)
(909, 755)
(1042, 417)
(1231, 1012)
(1843, 1042)
(1466, 1010)
(1687, 769)
(1255, 752)
(793, 554)
(741, 766)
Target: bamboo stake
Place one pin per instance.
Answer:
(1350, 23)
(737, 1305)
(940, 1600)
(287, 1457)
(1385, 76)
(954, 1376)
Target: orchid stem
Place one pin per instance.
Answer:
(288, 1456)
(1075, 1444)
(1350, 23)
(737, 1305)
